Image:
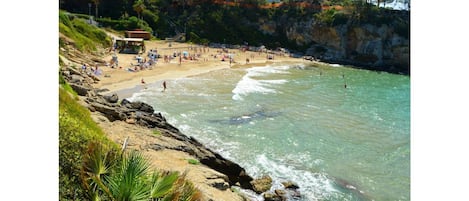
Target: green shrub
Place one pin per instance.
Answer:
(125, 24)
(64, 19)
(193, 161)
(325, 17)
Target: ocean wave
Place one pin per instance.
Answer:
(248, 84)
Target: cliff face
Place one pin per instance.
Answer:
(376, 47)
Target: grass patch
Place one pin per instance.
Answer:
(193, 161)
(157, 132)
(76, 130)
(65, 86)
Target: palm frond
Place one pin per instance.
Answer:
(161, 184)
(183, 190)
(97, 163)
(129, 182)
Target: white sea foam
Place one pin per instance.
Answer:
(394, 4)
(313, 186)
(249, 84)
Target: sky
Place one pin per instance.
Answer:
(439, 102)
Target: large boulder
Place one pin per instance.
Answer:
(111, 113)
(80, 89)
(262, 184)
(77, 79)
(142, 106)
(112, 98)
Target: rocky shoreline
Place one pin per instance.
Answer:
(143, 115)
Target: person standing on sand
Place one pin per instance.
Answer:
(143, 81)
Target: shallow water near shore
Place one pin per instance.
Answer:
(299, 123)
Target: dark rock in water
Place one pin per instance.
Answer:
(147, 108)
(344, 184)
(280, 193)
(141, 106)
(243, 119)
(80, 89)
(272, 197)
(262, 184)
(112, 98)
(290, 185)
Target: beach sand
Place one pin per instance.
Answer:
(124, 82)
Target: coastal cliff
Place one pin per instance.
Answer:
(375, 46)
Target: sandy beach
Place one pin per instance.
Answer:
(209, 59)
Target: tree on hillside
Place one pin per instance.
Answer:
(96, 3)
(138, 7)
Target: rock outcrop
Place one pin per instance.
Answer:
(381, 46)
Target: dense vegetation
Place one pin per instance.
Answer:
(234, 22)
(76, 130)
(85, 36)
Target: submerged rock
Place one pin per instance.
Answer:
(290, 185)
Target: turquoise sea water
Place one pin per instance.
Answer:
(299, 123)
